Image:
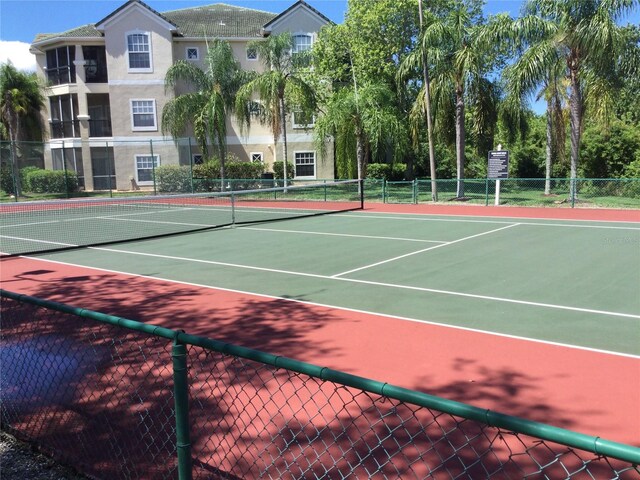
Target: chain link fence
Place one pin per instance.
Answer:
(589, 192)
(73, 168)
(120, 399)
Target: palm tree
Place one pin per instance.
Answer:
(21, 99)
(205, 109)
(358, 120)
(452, 43)
(422, 106)
(278, 88)
(548, 83)
(585, 36)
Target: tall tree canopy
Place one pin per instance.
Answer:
(212, 98)
(21, 99)
(279, 87)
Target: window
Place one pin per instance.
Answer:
(143, 115)
(301, 50)
(95, 66)
(305, 164)
(301, 43)
(60, 66)
(103, 167)
(301, 120)
(64, 113)
(139, 52)
(256, 156)
(193, 53)
(252, 53)
(145, 165)
(197, 159)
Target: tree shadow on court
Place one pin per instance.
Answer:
(110, 411)
(274, 325)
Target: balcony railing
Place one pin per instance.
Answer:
(100, 128)
(65, 129)
(62, 75)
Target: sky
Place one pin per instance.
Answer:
(22, 20)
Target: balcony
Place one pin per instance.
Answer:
(65, 129)
(100, 128)
(61, 76)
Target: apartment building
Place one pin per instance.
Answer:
(107, 90)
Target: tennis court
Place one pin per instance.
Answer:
(500, 308)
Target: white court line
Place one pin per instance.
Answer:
(96, 217)
(346, 309)
(137, 220)
(306, 232)
(40, 241)
(422, 251)
(366, 282)
(502, 220)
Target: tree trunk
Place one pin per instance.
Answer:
(360, 154)
(460, 142)
(547, 174)
(283, 122)
(427, 102)
(13, 137)
(575, 107)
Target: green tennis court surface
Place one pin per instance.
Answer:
(570, 282)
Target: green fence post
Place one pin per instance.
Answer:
(109, 171)
(384, 190)
(572, 188)
(181, 402)
(153, 167)
(191, 164)
(486, 192)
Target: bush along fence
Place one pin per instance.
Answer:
(116, 398)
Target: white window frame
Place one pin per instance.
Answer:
(192, 59)
(295, 124)
(249, 59)
(148, 128)
(256, 157)
(295, 163)
(308, 35)
(156, 161)
(149, 52)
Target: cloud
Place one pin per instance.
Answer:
(18, 53)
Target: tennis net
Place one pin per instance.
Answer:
(39, 227)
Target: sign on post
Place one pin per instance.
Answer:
(498, 164)
(498, 168)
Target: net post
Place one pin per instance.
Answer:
(361, 192)
(181, 403)
(233, 208)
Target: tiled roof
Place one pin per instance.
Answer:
(78, 32)
(218, 20)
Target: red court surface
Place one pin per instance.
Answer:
(587, 391)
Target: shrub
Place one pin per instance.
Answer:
(244, 170)
(392, 172)
(6, 179)
(24, 177)
(51, 181)
(278, 170)
(173, 178)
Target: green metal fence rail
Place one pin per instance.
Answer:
(603, 192)
(121, 399)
